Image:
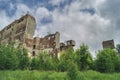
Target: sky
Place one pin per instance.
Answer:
(85, 21)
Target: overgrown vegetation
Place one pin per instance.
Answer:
(107, 61)
(52, 75)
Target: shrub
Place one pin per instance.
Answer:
(72, 72)
(105, 61)
(8, 57)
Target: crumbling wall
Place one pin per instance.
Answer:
(108, 44)
(49, 43)
(67, 45)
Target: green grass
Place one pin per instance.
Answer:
(51, 75)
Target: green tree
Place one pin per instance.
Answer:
(118, 48)
(105, 61)
(49, 63)
(72, 71)
(24, 61)
(8, 57)
(65, 58)
(45, 61)
(41, 60)
(117, 64)
(84, 58)
(34, 64)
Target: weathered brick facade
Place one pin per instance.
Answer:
(22, 31)
(108, 44)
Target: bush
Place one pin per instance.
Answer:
(8, 57)
(34, 64)
(65, 58)
(105, 61)
(117, 64)
(72, 72)
(84, 58)
(24, 62)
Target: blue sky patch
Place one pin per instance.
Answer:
(46, 20)
(88, 10)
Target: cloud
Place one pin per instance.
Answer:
(55, 2)
(22, 9)
(72, 23)
(4, 19)
(42, 12)
(11, 5)
(42, 15)
(110, 10)
(81, 27)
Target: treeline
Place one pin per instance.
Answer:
(107, 60)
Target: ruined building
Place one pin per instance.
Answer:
(108, 44)
(49, 44)
(68, 44)
(21, 31)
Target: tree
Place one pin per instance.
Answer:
(105, 61)
(117, 64)
(8, 57)
(84, 58)
(49, 63)
(72, 71)
(66, 57)
(118, 48)
(23, 59)
(41, 58)
(34, 64)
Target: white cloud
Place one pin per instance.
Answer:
(42, 12)
(11, 5)
(4, 19)
(81, 27)
(56, 2)
(110, 9)
(74, 24)
(22, 9)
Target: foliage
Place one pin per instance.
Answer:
(117, 64)
(72, 71)
(52, 75)
(8, 57)
(11, 58)
(65, 59)
(49, 63)
(84, 58)
(105, 60)
(41, 58)
(23, 59)
(44, 62)
(118, 48)
(34, 64)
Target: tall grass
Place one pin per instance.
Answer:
(51, 75)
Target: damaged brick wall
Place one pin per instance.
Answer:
(69, 44)
(47, 43)
(108, 44)
(23, 29)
